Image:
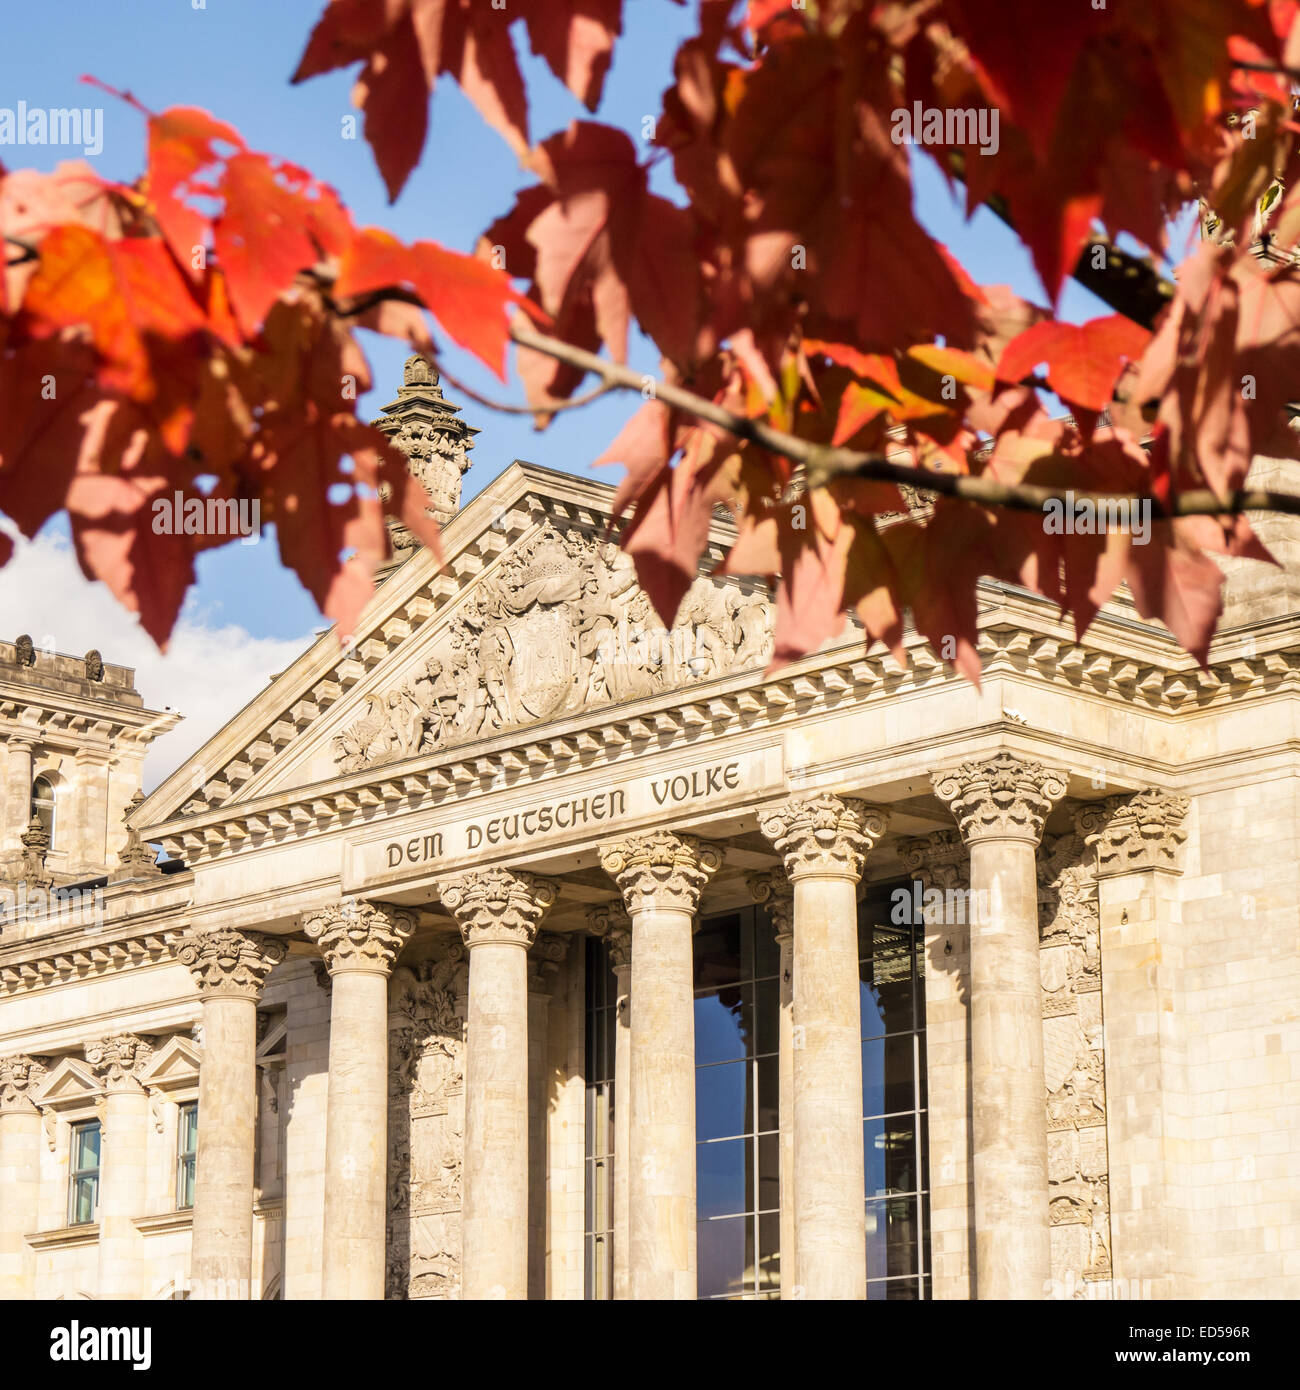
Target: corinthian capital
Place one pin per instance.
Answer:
(497, 905)
(232, 963)
(20, 1075)
(118, 1061)
(360, 936)
(940, 860)
(611, 922)
(824, 835)
(1004, 798)
(773, 890)
(1135, 833)
(661, 870)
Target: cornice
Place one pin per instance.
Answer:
(49, 963)
(739, 702)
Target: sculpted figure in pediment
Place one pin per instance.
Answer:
(561, 625)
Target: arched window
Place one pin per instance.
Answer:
(43, 805)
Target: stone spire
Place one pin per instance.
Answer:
(427, 429)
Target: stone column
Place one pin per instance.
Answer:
(230, 968)
(774, 891)
(661, 876)
(823, 840)
(498, 911)
(360, 941)
(1138, 842)
(941, 864)
(20, 1173)
(123, 1191)
(1000, 806)
(544, 958)
(20, 751)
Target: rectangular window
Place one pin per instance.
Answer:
(83, 1173)
(187, 1149)
(737, 1019)
(892, 971)
(602, 1026)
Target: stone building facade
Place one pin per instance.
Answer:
(524, 949)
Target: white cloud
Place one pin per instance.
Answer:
(208, 674)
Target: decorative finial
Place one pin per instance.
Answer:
(419, 371)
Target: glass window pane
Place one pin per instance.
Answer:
(769, 1172)
(722, 1099)
(769, 1253)
(767, 954)
(717, 952)
(887, 1080)
(889, 1147)
(769, 1094)
(892, 1291)
(720, 1026)
(723, 1175)
(767, 1017)
(726, 1253)
(891, 1237)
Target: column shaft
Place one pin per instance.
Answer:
(123, 1193)
(495, 1205)
(230, 968)
(661, 1176)
(356, 1137)
(1012, 1250)
(1001, 806)
(20, 1175)
(221, 1262)
(829, 1198)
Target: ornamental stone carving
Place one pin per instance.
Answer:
(118, 1061)
(940, 860)
(426, 1093)
(611, 922)
(561, 625)
(661, 870)
(824, 835)
(359, 935)
(232, 963)
(497, 905)
(1131, 834)
(772, 889)
(20, 1075)
(545, 956)
(1006, 797)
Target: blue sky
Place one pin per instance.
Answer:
(234, 58)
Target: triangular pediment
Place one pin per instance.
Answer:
(536, 617)
(68, 1085)
(174, 1065)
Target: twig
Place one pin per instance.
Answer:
(824, 463)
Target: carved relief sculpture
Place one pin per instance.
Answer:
(1074, 1064)
(426, 1116)
(562, 625)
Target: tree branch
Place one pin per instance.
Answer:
(824, 463)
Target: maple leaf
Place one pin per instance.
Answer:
(182, 143)
(147, 329)
(405, 46)
(1083, 360)
(467, 296)
(261, 236)
(600, 248)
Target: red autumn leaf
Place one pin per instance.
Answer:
(127, 294)
(1083, 360)
(405, 46)
(183, 142)
(467, 296)
(262, 238)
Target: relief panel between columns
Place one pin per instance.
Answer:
(426, 1124)
(1074, 1068)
